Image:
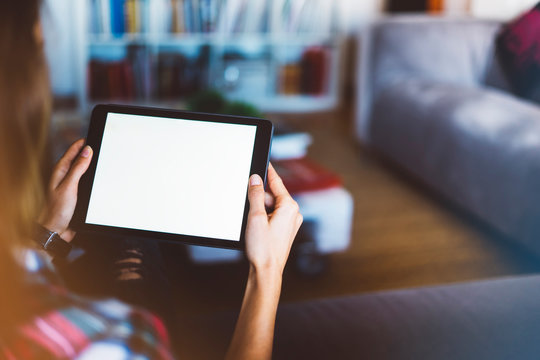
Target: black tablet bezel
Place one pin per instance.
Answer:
(259, 165)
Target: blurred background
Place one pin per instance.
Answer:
(384, 208)
(87, 38)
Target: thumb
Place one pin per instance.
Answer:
(256, 196)
(80, 166)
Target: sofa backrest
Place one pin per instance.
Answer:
(451, 50)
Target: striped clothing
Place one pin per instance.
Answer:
(70, 327)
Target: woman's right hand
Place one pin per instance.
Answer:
(269, 236)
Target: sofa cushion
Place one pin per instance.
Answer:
(457, 51)
(495, 319)
(478, 147)
(518, 48)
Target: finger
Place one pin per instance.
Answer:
(276, 184)
(64, 164)
(256, 196)
(299, 221)
(79, 167)
(269, 200)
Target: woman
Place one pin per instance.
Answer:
(40, 318)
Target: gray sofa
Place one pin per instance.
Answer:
(433, 100)
(491, 320)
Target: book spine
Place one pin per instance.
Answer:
(290, 77)
(297, 9)
(132, 16)
(205, 10)
(117, 17)
(230, 16)
(255, 12)
(196, 17)
(175, 16)
(188, 20)
(181, 16)
(276, 16)
(105, 16)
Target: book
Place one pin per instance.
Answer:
(209, 11)
(289, 79)
(178, 16)
(105, 16)
(132, 15)
(230, 16)
(100, 17)
(316, 17)
(255, 15)
(314, 64)
(294, 15)
(308, 75)
(118, 23)
(118, 17)
(159, 16)
(303, 175)
(120, 79)
(195, 17)
(179, 76)
(95, 18)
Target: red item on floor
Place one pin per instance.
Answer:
(303, 175)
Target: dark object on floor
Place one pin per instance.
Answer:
(307, 259)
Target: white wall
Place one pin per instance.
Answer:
(500, 9)
(355, 13)
(59, 29)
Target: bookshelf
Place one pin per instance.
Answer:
(280, 55)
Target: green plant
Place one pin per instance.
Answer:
(240, 108)
(212, 101)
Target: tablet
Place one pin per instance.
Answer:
(171, 175)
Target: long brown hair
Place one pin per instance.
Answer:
(25, 103)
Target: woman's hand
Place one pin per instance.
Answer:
(63, 188)
(269, 237)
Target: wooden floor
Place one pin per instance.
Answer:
(403, 236)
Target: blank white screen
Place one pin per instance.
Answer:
(174, 176)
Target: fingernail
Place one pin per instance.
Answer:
(255, 180)
(86, 152)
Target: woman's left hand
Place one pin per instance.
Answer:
(63, 188)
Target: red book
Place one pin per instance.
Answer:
(314, 71)
(128, 82)
(115, 81)
(303, 175)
